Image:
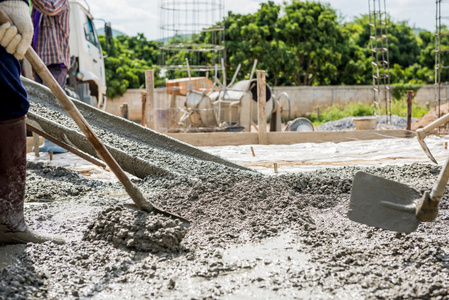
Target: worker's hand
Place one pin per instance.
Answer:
(16, 37)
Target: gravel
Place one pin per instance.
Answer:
(347, 124)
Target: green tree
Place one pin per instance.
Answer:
(128, 59)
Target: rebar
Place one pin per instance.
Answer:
(378, 22)
(191, 29)
(440, 50)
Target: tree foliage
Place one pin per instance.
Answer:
(128, 59)
(296, 43)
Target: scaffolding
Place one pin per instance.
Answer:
(378, 22)
(191, 29)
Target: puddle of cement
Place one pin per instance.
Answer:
(255, 267)
(282, 247)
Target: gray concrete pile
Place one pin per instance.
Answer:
(337, 257)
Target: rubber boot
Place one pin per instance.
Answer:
(13, 228)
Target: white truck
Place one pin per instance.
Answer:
(87, 80)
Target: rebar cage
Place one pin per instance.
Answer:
(192, 46)
(441, 56)
(191, 29)
(378, 22)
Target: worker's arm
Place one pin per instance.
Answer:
(51, 7)
(16, 37)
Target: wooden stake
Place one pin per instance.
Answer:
(149, 84)
(144, 108)
(261, 103)
(36, 144)
(410, 95)
(445, 145)
(275, 165)
(124, 110)
(51, 154)
(172, 113)
(252, 150)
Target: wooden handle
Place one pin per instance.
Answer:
(71, 109)
(437, 123)
(438, 189)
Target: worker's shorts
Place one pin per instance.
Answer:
(13, 97)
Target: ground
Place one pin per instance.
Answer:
(253, 234)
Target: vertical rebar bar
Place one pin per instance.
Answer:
(378, 22)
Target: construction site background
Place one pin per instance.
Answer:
(304, 99)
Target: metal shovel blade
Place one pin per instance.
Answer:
(426, 149)
(383, 203)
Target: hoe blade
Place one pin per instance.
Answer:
(383, 203)
(426, 150)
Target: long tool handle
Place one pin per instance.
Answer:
(71, 109)
(438, 189)
(437, 123)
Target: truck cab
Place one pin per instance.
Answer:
(87, 72)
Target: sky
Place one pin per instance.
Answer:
(141, 16)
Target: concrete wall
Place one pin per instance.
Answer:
(304, 99)
(134, 100)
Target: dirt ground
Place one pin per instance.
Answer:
(252, 236)
(430, 116)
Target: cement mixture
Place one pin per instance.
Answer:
(252, 236)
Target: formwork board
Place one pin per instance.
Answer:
(286, 138)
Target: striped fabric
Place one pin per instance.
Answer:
(54, 31)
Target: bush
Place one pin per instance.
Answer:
(337, 112)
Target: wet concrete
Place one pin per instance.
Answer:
(252, 236)
(134, 229)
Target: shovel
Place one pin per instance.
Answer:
(391, 205)
(136, 195)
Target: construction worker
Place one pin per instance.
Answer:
(14, 41)
(51, 21)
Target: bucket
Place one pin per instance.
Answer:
(365, 123)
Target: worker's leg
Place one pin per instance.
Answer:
(13, 107)
(59, 73)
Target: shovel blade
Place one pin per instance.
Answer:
(383, 203)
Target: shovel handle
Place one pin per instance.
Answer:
(73, 111)
(438, 189)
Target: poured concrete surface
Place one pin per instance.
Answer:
(253, 235)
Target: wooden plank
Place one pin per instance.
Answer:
(143, 120)
(217, 138)
(284, 138)
(36, 144)
(149, 83)
(279, 138)
(261, 111)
